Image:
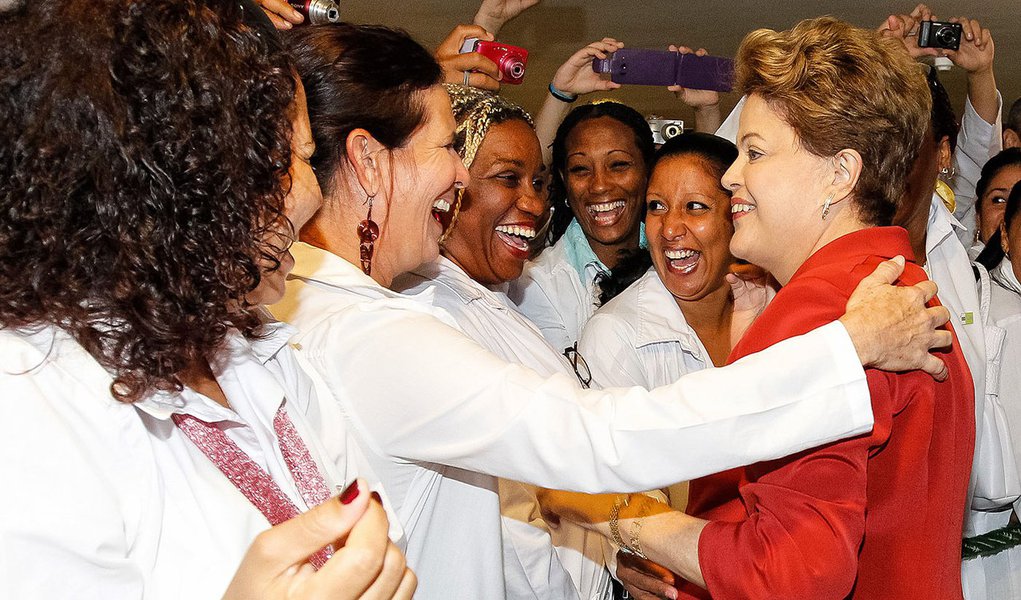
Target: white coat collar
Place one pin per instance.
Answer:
(942, 224)
(660, 320)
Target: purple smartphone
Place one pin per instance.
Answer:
(637, 66)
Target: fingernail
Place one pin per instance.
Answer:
(376, 497)
(297, 15)
(350, 493)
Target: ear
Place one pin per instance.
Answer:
(945, 156)
(847, 165)
(1004, 239)
(363, 157)
(1011, 139)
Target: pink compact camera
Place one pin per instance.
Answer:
(511, 60)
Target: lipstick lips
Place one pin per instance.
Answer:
(740, 207)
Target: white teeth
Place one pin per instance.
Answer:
(740, 208)
(527, 233)
(606, 206)
(441, 205)
(680, 254)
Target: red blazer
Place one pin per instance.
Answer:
(877, 516)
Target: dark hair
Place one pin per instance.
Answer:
(1011, 157)
(716, 154)
(360, 76)
(145, 148)
(558, 187)
(944, 121)
(1013, 120)
(993, 254)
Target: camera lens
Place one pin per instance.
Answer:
(514, 68)
(946, 38)
(671, 130)
(333, 15)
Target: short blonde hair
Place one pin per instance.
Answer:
(840, 86)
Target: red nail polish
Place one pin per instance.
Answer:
(350, 493)
(376, 497)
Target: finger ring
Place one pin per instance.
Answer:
(467, 74)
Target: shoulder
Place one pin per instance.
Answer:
(1004, 305)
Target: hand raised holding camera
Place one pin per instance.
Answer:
(904, 28)
(469, 68)
(977, 51)
(576, 76)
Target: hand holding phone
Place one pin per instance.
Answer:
(511, 60)
(637, 66)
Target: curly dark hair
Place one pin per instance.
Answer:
(145, 147)
(628, 116)
(944, 121)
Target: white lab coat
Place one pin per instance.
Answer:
(641, 338)
(104, 500)
(552, 294)
(999, 576)
(533, 566)
(419, 394)
(977, 142)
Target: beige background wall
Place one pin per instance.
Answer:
(555, 28)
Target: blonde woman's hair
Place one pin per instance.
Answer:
(840, 86)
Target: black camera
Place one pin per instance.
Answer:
(934, 34)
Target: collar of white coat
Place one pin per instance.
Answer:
(660, 320)
(942, 224)
(447, 273)
(1005, 276)
(236, 349)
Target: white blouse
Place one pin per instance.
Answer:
(416, 390)
(566, 562)
(110, 500)
(641, 338)
(552, 294)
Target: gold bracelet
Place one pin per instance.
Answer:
(614, 525)
(636, 545)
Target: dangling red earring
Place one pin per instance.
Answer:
(368, 233)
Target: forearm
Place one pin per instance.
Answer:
(547, 122)
(671, 540)
(983, 96)
(708, 118)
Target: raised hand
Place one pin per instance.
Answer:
(494, 14)
(576, 76)
(977, 51)
(693, 98)
(281, 13)
(470, 68)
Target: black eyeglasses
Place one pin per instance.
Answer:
(579, 365)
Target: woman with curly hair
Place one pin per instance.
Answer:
(153, 171)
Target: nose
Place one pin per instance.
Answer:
(674, 225)
(731, 180)
(461, 177)
(532, 202)
(600, 181)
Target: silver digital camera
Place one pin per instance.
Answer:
(664, 129)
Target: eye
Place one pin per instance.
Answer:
(538, 184)
(509, 179)
(997, 200)
(620, 165)
(654, 206)
(695, 206)
(578, 170)
(753, 154)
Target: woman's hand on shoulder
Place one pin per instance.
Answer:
(365, 563)
(891, 327)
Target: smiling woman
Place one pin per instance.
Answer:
(601, 159)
